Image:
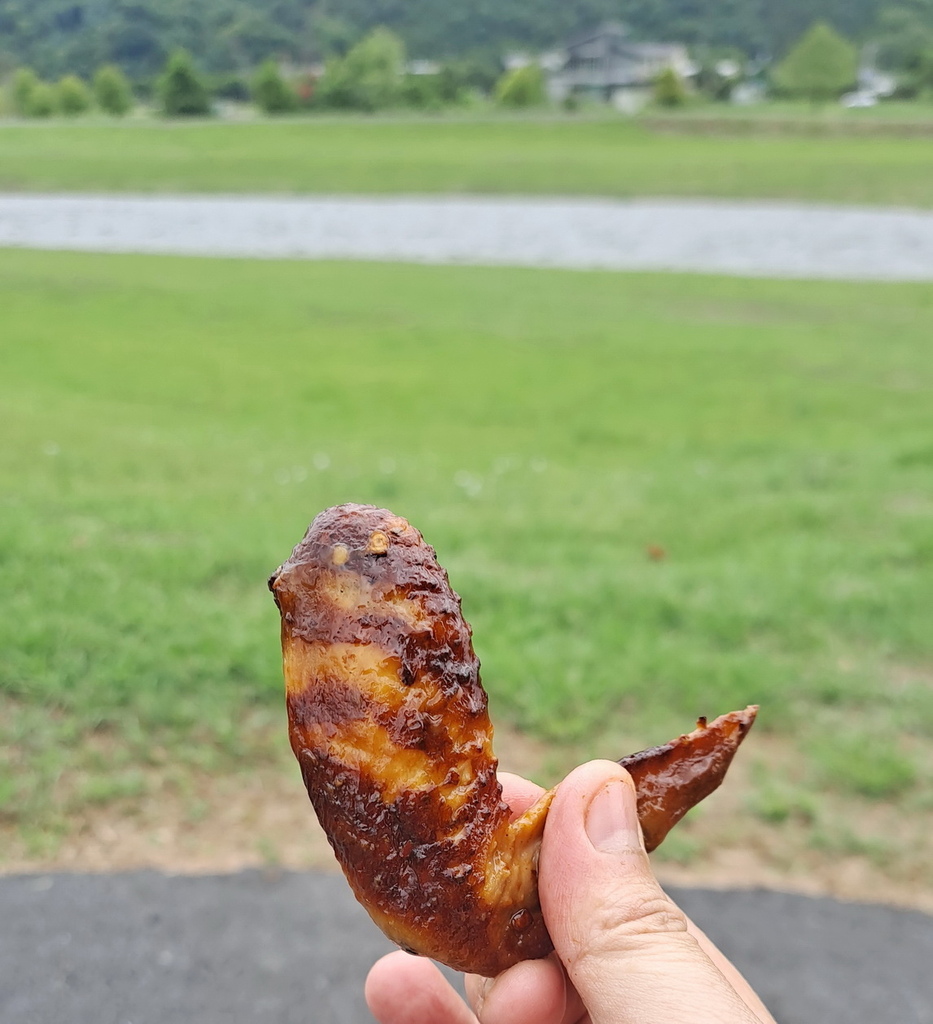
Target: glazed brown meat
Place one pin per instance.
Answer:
(388, 720)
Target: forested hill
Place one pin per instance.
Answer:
(57, 36)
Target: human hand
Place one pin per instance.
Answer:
(624, 952)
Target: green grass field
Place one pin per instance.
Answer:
(607, 157)
(171, 425)
(800, 114)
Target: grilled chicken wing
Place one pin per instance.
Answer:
(388, 720)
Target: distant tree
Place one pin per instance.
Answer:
(904, 44)
(423, 92)
(182, 91)
(368, 78)
(522, 87)
(31, 96)
(900, 35)
(112, 91)
(73, 97)
(271, 93)
(669, 89)
(477, 72)
(231, 87)
(452, 85)
(716, 79)
(24, 83)
(820, 66)
(42, 100)
(916, 78)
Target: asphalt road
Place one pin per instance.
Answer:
(746, 238)
(146, 948)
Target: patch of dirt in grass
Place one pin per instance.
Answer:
(848, 849)
(221, 824)
(817, 844)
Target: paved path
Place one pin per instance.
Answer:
(760, 239)
(143, 948)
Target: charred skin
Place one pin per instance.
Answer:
(388, 720)
(671, 779)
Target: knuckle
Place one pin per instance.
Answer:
(627, 921)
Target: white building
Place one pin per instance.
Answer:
(605, 64)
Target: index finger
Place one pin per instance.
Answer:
(519, 793)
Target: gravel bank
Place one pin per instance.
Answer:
(748, 239)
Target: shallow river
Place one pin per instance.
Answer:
(761, 239)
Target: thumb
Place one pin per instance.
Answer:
(623, 941)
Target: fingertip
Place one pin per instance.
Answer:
(589, 777)
(383, 972)
(382, 984)
(531, 992)
(568, 812)
(519, 793)
(405, 989)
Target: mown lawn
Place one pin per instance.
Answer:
(604, 157)
(660, 496)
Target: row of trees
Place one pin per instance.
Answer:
(823, 64)
(110, 92)
(371, 76)
(181, 92)
(820, 67)
(228, 36)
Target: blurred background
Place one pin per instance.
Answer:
(661, 495)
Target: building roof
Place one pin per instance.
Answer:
(612, 29)
(606, 58)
